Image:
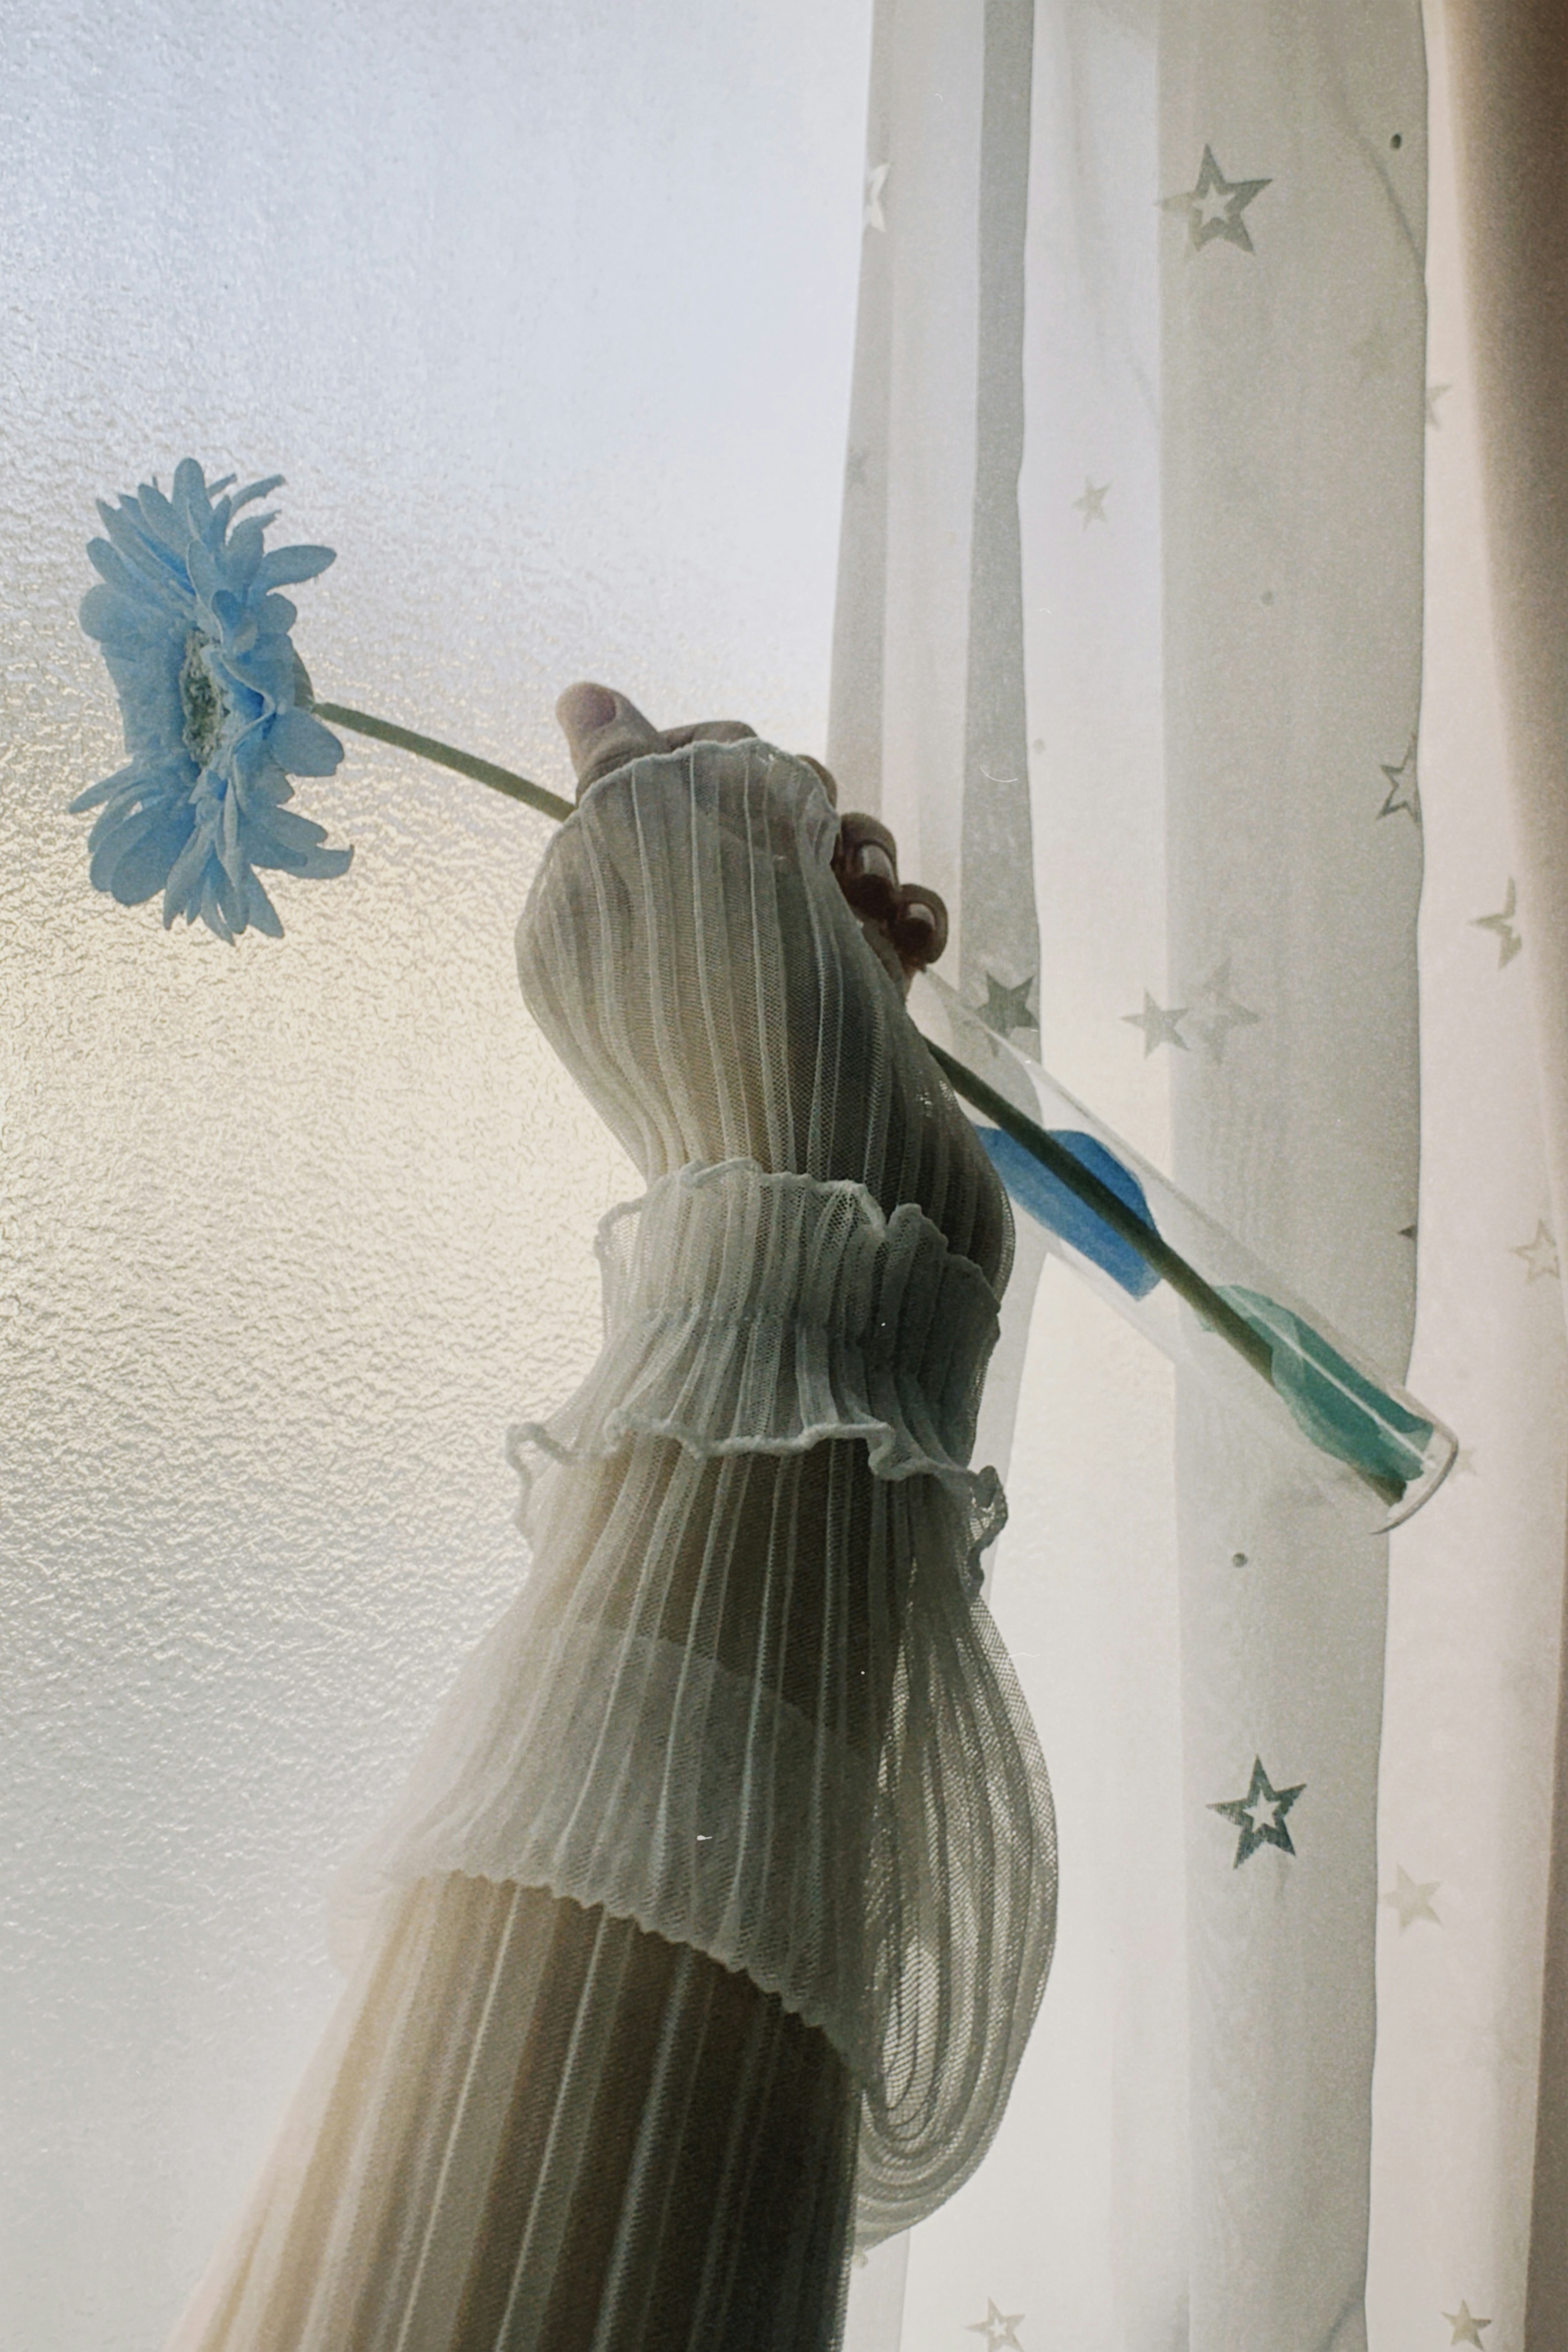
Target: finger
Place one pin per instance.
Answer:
(864, 860)
(866, 846)
(603, 731)
(709, 730)
(828, 780)
(919, 927)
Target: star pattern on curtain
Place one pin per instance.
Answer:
(1260, 1814)
(1434, 394)
(1092, 506)
(1213, 205)
(1403, 791)
(1466, 2326)
(1509, 941)
(1000, 2328)
(1411, 1898)
(1160, 1027)
(872, 215)
(1006, 1009)
(1217, 1010)
(1539, 1256)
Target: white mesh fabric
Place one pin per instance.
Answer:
(748, 1312)
(482, 2156)
(747, 1697)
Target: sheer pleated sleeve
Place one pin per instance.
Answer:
(749, 1695)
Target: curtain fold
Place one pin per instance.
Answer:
(1218, 625)
(1294, 159)
(928, 720)
(1509, 63)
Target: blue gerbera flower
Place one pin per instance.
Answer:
(210, 688)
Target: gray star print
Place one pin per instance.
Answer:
(1000, 2328)
(1006, 1009)
(1403, 790)
(1539, 1256)
(1159, 1027)
(1214, 206)
(1259, 1815)
(1217, 1011)
(1509, 942)
(1092, 506)
(1413, 1899)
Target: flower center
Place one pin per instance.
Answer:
(203, 700)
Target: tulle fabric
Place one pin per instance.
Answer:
(521, 2112)
(755, 1709)
(747, 1707)
(748, 1697)
(750, 1312)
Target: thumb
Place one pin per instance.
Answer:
(603, 731)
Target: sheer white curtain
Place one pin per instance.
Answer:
(1232, 429)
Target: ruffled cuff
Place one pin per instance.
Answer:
(749, 1312)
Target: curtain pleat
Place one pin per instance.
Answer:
(998, 936)
(1509, 62)
(1211, 407)
(1292, 522)
(928, 721)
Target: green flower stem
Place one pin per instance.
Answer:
(1185, 1280)
(1132, 1229)
(444, 755)
(1150, 1246)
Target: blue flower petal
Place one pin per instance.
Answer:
(202, 564)
(199, 651)
(259, 911)
(301, 745)
(285, 828)
(285, 565)
(153, 562)
(212, 906)
(309, 864)
(118, 623)
(158, 515)
(190, 486)
(139, 873)
(1051, 1203)
(186, 873)
(252, 490)
(242, 557)
(100, 791)
(121, 575)
(134, 860)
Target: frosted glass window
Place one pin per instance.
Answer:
(546, 314)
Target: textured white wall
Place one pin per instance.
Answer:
(545, 311)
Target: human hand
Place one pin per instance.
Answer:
(905, 925)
